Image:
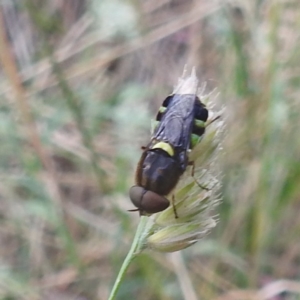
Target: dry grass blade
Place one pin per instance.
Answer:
(24, 110)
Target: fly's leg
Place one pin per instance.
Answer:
(174, 207)
(213, 120)
(191, 163)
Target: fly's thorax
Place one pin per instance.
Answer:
(182, 158)
(158, 169)
(166, 147)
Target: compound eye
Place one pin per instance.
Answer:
(136, 194)
(147, 201)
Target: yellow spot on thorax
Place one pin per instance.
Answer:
(164, 146)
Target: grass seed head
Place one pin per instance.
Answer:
(193, 203)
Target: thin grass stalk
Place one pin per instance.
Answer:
(136, 247)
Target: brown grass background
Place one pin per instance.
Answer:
(79, 83)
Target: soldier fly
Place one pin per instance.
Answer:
(180, 125)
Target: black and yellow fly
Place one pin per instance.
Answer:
(180, 124)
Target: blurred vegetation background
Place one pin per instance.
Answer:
(79, 83)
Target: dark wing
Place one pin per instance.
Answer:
(177, 121)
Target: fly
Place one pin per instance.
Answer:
(180, 124)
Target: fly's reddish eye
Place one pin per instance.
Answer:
(147, 201)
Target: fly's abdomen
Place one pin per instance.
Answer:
(200, 118)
